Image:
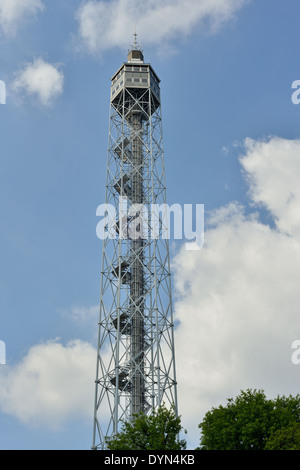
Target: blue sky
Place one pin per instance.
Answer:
(226, 76)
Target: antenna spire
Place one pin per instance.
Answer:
(135, 53)
(135, 46)
(135, 43)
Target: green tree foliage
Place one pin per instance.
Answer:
(252, 422)
(287, 438)
(158, 431)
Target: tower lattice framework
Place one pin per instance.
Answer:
(135, 356)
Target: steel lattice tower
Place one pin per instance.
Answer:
(135, 357)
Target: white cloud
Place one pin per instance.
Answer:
(273, 169)
(53, 383)
(103, 25)
(238, 298)
(40, 79)
(83, 314)
(13, 12)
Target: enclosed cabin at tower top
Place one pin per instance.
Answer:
(139, 82)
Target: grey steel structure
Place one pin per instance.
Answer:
(135, 357)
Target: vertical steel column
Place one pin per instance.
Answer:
(137, 274)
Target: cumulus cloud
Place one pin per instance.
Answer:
(14, 12)
(238, 298)
(103, 25)
(83, 314)
(273, 168)
(53, 383)
(40, 79)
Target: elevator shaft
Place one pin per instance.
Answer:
(137, 274)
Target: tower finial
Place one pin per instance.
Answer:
(135, 52)
(135, 43)
(135, 46)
